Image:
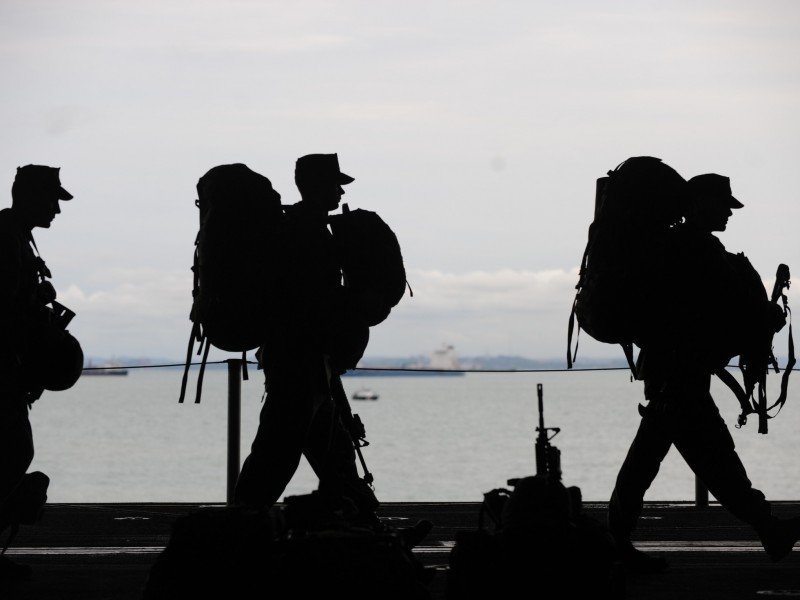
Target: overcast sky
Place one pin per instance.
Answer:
(475, 129)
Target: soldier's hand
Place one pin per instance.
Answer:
(776, 318)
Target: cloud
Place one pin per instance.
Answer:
(482, 312)
(136, 312)
(479, 291)
(476, 130)
(144, 312)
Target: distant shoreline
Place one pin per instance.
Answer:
(381, 364)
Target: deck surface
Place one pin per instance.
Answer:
(105, 551)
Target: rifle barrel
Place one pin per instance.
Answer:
(541, 409)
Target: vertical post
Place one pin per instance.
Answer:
(234, 422)
(700, 493)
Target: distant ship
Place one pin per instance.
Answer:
(442, 362)
(104, 369)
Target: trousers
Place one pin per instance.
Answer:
(16, 446)
(300, 418)
(691, 422)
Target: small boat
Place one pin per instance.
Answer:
(365, 394)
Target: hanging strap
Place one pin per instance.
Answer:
(783, 281)
(573, 355)
(202, 372)
(627, 348)
(204, 347)
(790, 363)
(194, 335)
(352, 422)
(570, 327)
(751, 405)
(197, 332)
(743, 397)
(244, 366)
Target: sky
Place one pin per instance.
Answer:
(476, 130)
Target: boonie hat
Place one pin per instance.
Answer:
(320, 166)
(714, 186)
(41, 178)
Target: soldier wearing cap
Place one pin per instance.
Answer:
(24, 317)
(315, 337)
(713, 202)
(709, 303)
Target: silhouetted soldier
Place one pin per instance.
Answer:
(705, 299)
(24, 322)
(316, 335)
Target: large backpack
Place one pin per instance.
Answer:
(619, 284)
(240, 215)
(371, 261)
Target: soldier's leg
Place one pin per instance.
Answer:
(16, 448)
(16, 455)
(282, 431)
(705, 442)
(330, 451)
(637, 473)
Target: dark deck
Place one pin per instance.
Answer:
(104, 551)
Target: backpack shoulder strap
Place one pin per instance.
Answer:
(572, 355)
(195, 335)
(202, 372)
(627, 349)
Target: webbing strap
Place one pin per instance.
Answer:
(202, 371)
(788, 369)
(189, 351)
(570, 355)
(743, 397)
(244, 366)
(627, 348)
(351, 422)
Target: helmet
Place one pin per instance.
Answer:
(54, 363)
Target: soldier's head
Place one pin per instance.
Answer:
(712, 202)
(35, 194)
(320, 180)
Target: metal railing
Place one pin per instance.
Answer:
(235, 424)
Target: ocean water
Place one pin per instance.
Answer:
(127, 439)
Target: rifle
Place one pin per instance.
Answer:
(548, 465)
(755, 374)
(782, 282)
(352, 423)
(548, 457)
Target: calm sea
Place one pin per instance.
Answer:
(127, 439)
